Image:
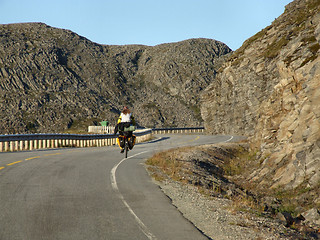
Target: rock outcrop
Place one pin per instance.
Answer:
(52, 80)
(269, 90)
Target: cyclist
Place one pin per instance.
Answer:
(125, 120)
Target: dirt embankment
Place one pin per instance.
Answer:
(208, 184)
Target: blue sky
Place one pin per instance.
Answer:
(149, 22)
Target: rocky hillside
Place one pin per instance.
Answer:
(52, 80)
(269, 90)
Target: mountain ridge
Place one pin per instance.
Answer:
(54, 80)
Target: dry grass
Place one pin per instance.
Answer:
(236, 163)
(169, 164)
(234, 160)
(246, 204)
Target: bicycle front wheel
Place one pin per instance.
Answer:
(126, 149)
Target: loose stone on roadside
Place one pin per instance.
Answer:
(213, 216)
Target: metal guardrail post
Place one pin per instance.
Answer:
(178, 130)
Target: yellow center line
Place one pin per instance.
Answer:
(32, 158)
(52, 154)
(9, 164)
(195, 139)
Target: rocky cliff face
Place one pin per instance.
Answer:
(52, 80)
(269, 90)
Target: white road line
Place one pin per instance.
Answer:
(229, 139)
(114, 185)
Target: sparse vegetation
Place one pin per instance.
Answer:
(235, 163)
(314, 48)
(237, 56)
(274, 48)
(242, 203)
(168, 163)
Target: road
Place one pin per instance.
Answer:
(90, 193)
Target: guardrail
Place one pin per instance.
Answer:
(178, 130)
(101, 129)
(110, 129)
(20, 142)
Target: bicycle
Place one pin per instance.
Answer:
(126, 134)
(126, 146)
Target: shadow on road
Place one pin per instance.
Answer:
(155, 140)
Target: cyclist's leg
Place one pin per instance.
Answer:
(132, 140)
(120, 141)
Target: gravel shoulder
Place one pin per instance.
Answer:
(191, 188)
(214, 218)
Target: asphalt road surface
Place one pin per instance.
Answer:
(90, 193)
